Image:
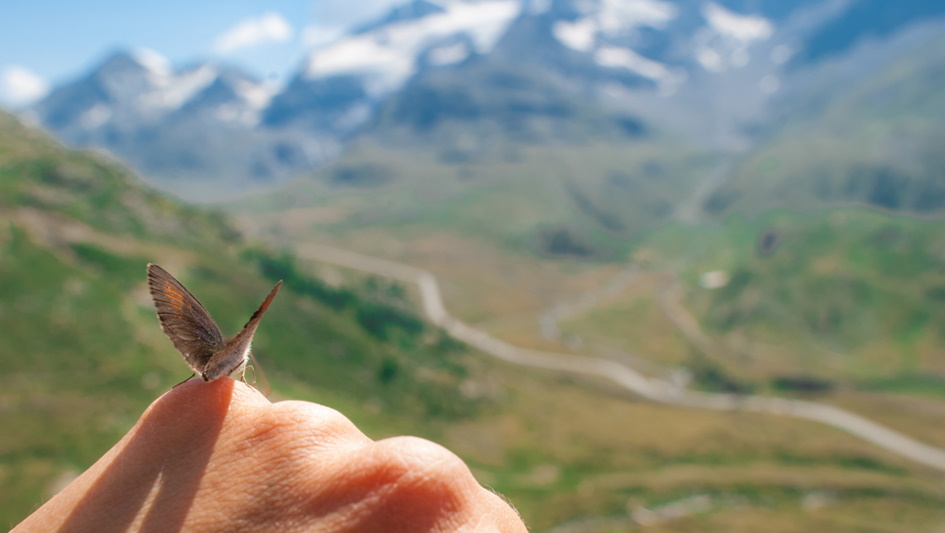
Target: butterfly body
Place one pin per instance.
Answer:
(194, 332)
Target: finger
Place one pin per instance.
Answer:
(153, 472)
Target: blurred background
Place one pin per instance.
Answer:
(585, 244)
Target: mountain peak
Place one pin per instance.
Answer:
(121, 62)
(153, 61)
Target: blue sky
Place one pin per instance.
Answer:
(46, 42)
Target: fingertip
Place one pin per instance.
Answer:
(191, 403)
(195, 403)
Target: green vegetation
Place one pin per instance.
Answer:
(83, 354)
(838, 303)
(843, 295)
(877, 143)
(558, 201)
(822, 298)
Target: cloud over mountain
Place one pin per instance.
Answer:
(266, 28)
(20, 86)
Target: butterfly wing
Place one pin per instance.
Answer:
(257, 316)
(184, 319)
(236, 352)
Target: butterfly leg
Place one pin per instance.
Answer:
(243, 375)
(258, 376)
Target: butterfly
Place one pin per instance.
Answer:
(194, 333)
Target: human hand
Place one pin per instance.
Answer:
(219, 456)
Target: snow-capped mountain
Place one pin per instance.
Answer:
(338, 85)
(193, 131)
(683, 65)
(134, 89)
(629, 43)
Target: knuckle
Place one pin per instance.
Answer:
(304, 425)
(419, 464)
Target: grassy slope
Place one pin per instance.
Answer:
(846, 294)
(83, 353)
(875, 142)
(487, 226)
(602, 193)
(851, 296)
(564, 450)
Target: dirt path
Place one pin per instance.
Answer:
(653, 389)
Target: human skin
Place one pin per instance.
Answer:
(219, 456)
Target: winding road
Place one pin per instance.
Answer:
(650, 388)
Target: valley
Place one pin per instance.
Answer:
(639, 309)
(652, 265)
(649, 388)
(567, 450)
(897, 411)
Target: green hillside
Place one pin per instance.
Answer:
(84, 355)
(850, 192)
(584, 201)
(874, 142)
(822, 298)
(852, 296)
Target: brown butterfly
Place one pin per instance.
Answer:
(193, 331)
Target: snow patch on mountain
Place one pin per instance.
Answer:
(449, 54)
(616, 16)
(252, 99)
(606, 20)
(536, 7)
(667, 79)
(611, 18)
(256, 95)
(724, 42)
(95, 117)
(172, 91)
(153, 61)
(579, 35)
(612, 56)
(387, 54)
(744, 28)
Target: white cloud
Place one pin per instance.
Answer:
(20, 86)
(253, 31)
